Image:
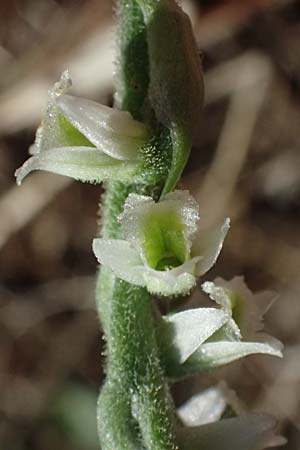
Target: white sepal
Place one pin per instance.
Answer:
(204, 407)
(208, 243)
(120, 258)
(49, 134)
(188, 211)
(187, 330)
(215, 354)
(112, 131)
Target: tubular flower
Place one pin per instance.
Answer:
(163, 248)
(84, 140)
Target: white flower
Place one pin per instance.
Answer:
(249, 432)
(83, 139)
(203, 407)
(163, 249)
(241, 335)
(204, 428)
(202, 414)
(221, 339)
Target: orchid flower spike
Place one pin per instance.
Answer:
(84, 140)
(163, 248)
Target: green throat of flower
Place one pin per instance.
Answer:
(163, 241)
(70, 134)
(236, 306)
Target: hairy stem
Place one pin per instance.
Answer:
(134, 404)
(135, 410)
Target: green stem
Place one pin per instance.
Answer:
(134, 409)
(134, 404)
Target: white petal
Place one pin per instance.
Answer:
(188, 210)
(239, 301)
(174, 282)
(120, 258)
(62, 86)
(204, 407)
(130, 219)
(251, 432)
(208, 244)
(81, 163)
(137, 207)
(218, 294)
(187, 330)
(221, 296)
(49, 134)
(115, 132)
(215, 354)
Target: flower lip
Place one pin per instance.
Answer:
(170, 274)
(168, 263)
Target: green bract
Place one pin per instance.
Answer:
(163, 249)
(84, 140)
(176, 88)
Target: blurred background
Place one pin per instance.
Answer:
(245, 164)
